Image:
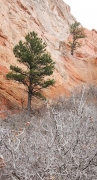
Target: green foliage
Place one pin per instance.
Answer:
(32, 53)
(77, 32)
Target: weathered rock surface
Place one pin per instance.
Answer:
(51, 20)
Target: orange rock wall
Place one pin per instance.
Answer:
(51, 20)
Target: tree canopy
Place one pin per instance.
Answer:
(39, 64)
(77, 32)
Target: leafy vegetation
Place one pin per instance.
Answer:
(39, 64)
(77, 33)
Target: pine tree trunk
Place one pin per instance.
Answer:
(72, 50)
(29, 99)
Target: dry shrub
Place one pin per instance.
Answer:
(59, 142)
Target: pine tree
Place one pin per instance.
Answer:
(77, 32)
(32, 53)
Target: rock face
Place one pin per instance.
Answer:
(51, 20)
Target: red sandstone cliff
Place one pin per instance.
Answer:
(51, 20)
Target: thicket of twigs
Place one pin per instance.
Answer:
(55, 143)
